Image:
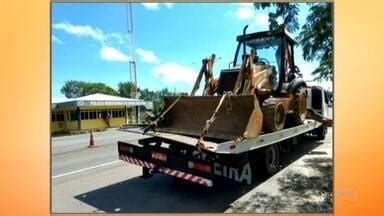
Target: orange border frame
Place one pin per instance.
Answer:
(25, 104)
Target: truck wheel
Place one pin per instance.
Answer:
(320, 132)
(286, 145)
(273, 115)
(299, 106)
(265, 161)
(271, 159)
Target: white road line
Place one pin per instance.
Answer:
(85, 169)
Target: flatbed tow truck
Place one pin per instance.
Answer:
(237, 128)
(177, 156)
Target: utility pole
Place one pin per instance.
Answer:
(132, 62)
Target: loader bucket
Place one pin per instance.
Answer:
(239, 116)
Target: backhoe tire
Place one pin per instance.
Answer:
(273, 115)
(299, 106)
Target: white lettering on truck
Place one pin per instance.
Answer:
(233, 173)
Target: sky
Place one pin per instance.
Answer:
(90, 42)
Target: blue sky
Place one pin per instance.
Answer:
(90, 41)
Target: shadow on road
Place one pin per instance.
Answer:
(162, 194)
(302, 194)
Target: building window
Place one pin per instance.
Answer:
(60, 116)
(57, 116)
(73, 116)
(84, 115)
(92, 114)
(116, 113)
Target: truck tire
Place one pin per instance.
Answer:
(286, 145)
(265, 161)
(299, 106)
(273, 115)
(320, 132)
(271, 159)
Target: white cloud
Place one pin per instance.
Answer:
(306, 69)
(151, 6)
(245, 11)
(107, 40)
(156, 6)
(118, 38)
(81, 31)
(112, 54)
(147, 56)
(169, 5)
(56, 40)
(92, 32)
(172, 72)
(246, 4)
(262, 20)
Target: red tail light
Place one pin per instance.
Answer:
(126, 148)
(159, 156)
(199, 166)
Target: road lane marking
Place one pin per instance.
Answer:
(85, 169)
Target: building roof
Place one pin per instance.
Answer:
(101, 100)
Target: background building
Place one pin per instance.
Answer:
(97, 111)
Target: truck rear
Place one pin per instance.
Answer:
(183, 161)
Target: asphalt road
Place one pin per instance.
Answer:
(94, 180)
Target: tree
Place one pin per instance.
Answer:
(158, 103)
(157, 97)
(124, 89)
(315, 36)
(146, 94)
(287, 11)
(74, 89)
(316, 40)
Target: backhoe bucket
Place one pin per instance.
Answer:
(238, 116)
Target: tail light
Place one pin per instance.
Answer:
(159, 156)
(126, 148)
(199, 166)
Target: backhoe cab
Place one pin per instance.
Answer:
(273, 50)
